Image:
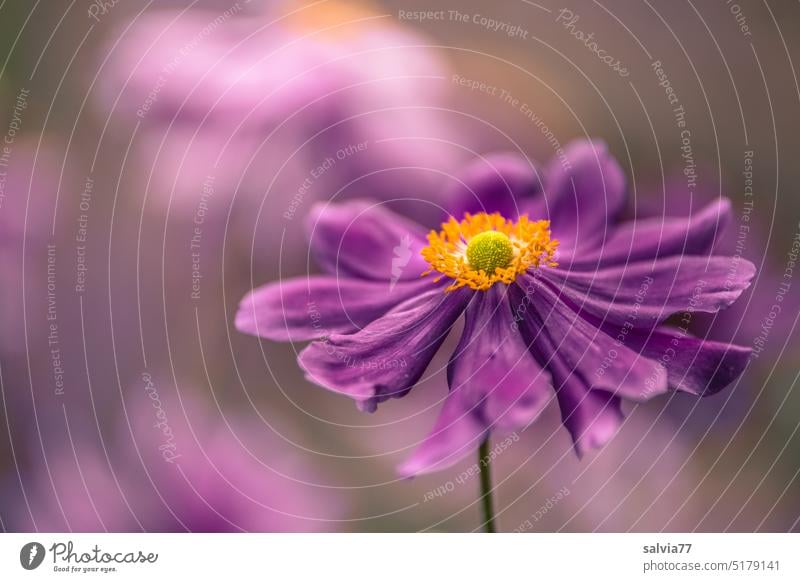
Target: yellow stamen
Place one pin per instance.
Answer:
(484, 249)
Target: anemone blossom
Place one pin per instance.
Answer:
(560, 301)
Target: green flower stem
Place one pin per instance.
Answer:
(486, 487)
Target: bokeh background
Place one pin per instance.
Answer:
(156, 164)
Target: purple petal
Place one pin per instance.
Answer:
(386, 358)
(653, 238)
(315, 307)
(492, 368)
(585, 193)
(693, 365)
(592, 417)
(602, 361)
(643, 294)
(457, 432)
(365, 240)
(494, 183)
(244, 73)
(495, 383)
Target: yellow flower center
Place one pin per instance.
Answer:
(490, 250)
(484, 249)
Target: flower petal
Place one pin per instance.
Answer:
(644, 294)
(492, 368)
(386, 358)
(311, 308)
(494, 183)
(495, 384)
(693, 365)
(457, 433)
(592, 417)
(367, 241)
(653, 238)
(584, 194)
(603, 362)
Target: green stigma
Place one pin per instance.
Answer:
(490, 250)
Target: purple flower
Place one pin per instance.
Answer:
(560, 301)
(172, 464)
(277, 109)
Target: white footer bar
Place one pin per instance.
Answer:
(401, 557)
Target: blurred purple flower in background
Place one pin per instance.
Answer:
(173, 464)
(277, 108)
(575, 302)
